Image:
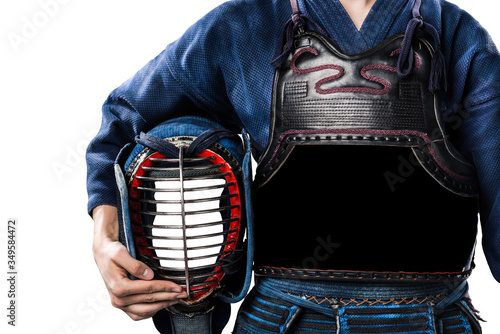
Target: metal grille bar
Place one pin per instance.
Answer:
(184, 178)
(229, 184)
(191, 159)
(183, 213)
(190, 248)
(221, 222)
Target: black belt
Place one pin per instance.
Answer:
(351, 275)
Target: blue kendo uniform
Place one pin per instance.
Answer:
(221, 69)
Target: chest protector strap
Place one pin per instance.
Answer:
(384, 96)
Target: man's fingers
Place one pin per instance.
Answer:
(122, 259)
(137, 268)
(157, 297)
(145, 311)
(125, 287)
(140, 298)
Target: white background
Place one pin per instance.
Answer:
(58, 64)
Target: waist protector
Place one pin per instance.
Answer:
(322, 96)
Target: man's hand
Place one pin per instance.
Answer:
(141, 298)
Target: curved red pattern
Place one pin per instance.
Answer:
(386, 85)
(316, 68)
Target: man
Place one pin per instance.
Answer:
(221, 69)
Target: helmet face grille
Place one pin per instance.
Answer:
(185, 214)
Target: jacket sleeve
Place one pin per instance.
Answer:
(475, 76)
(185, 79)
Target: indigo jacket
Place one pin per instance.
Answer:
(221, 69)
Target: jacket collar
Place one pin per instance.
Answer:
(382, 21)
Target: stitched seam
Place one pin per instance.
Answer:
(117, 98)
(483, 102)
(371, 302)
(192, 93)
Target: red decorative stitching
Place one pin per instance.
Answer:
(371, 302)
(338, 68)
(341, 71)
(316, 68)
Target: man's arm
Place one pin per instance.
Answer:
(139, 299)
(476, 76)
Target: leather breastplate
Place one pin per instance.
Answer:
(322, 96)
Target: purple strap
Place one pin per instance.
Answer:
(164, 147)
(200, 143)
(438, 78)
(296, 22)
